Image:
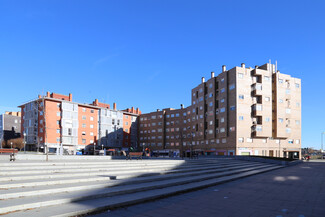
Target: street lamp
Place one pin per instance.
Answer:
(322, 141)
(11, 144)
(24, 142)
(102, 147)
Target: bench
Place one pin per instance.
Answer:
(10, 151)
(134, 154)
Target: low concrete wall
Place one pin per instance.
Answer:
(42, 157)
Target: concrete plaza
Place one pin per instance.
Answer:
(292, 191)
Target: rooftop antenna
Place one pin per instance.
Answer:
(276, 66)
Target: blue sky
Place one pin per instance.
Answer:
(150, 54)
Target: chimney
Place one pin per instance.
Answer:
(212, 74)
(70, 97)
(158, 110)
(114, 106)
(137, 111)
(96, 102)
(132, 109)
(47, 94)
(223, 68)
(39, 96)
(182, 106)
(243, 65)
(203, 80)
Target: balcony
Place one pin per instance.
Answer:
(257, 109)
(257, 89)
(257, 72)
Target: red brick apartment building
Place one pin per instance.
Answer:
(56, 122)
(242, 111)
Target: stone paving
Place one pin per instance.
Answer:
(293, 191)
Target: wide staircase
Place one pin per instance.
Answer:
(82, 187)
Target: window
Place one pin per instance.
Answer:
(201, 90)
(250, 140)
(280, 120)
(267, 99)
(210, 131)
(222, 120)
(201, 98)
(83, 125)
(83, 141)
(210, 85)
(240, 75)
(240, 139)
(41, 139)
(222, 80)
(57, 130)
(69, 131)
(210, 95)
(224, 140)
(91, 134)
(297, 141)
(232, 86)
(267, 119)
(241, 96)
(241, 118)
(222, 90)
(280, 81)
(83, 133)
(288, 130)
(41, 121)
(126, 123)
(83, 117)
(297, 122)
(113, 121)
(211, 122)
(222, 100)
(41, 113)
(91, 126)
(298, 104)
(58, 139)
(287, 91)
(172, 115)
(222, 130)
(41, 130)
(288, 111)
(177, 114)
(57, 122)
(280, 100)
(266, 78)
(231, 129)
(83, 109)
(92, 111)
(232, 108)
(210, 104)
(222, 109)
(91, 118)
(297, 86)
(167, 116)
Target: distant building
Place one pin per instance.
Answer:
(242, 111)
(60, 124)
(10, 126)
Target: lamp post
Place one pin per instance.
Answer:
(11, 144)
(102, 147)
(322, 141)
(24, 142)
(94, 147)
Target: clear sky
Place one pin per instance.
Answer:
(150, 54)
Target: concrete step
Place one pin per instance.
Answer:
(118, 175)
(75, 208)
(61, 198)
(40, 190)
(49, 174)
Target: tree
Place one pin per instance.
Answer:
(17, 143)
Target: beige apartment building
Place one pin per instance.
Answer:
(242, 111)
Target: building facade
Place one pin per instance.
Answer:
(56, 123)
(242, 111)
(9, 126)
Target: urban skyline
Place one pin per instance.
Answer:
(129, 52)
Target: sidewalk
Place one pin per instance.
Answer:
(293, 191)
